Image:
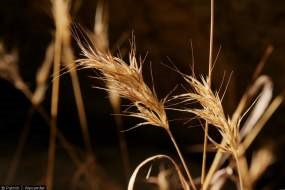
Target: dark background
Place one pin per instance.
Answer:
(163, 30)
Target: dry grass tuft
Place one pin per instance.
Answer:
(127, 81)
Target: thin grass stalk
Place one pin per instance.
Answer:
(70, 62)
(213, 167)
(42, 76)
(205, 144)
(211, 44)
(62, 47)
(66, 145)
(238, 170)
(100, 35)
(54, 109)
(209, 83)
(216, 163)
(62, 20)
(181, 159)
(244, 172)
(263, 61)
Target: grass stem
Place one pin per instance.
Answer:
(54, 109)
(209, 83)
(215, 164)
(70, 62)
(238, 170)
(182, 159)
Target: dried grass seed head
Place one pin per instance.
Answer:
(211, 111)
(127, 81)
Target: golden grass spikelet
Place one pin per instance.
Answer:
(127, 81)
(212, 112)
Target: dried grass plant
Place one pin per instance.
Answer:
(126, 80)
(236, 139)
(213, 112)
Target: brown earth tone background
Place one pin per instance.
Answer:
(163, 31)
